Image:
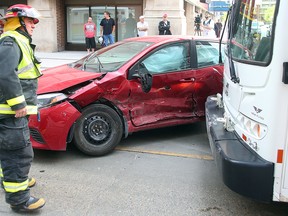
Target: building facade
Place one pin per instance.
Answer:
(61, 24)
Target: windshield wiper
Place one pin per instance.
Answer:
(100, 64)
(85, 62)
(87, 59)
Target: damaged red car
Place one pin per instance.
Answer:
(133, 85)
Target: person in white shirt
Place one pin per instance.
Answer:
(142, 27)
(208, 27)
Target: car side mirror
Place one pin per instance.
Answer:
(145, 78)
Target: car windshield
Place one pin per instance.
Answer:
(110, 59)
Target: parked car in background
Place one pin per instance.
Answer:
(132, 85)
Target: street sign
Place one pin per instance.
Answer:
(219, 6)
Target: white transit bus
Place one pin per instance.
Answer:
(247, 125)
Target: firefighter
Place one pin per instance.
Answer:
(18, 84)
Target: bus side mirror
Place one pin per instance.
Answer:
(285, 73)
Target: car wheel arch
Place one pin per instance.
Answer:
(98, 130)
(104, 102)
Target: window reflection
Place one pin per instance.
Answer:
(76, 17)
(126, 22)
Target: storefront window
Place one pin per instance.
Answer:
(2, 13)
(76, 18)
(97, 14)
(127, 21)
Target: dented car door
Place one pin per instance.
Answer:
(171, 94)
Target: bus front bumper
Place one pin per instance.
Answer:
(241, 169)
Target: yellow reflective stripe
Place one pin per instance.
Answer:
(26, 68)
(6, 109)
(13, 187)
(1, 173)
(16, 100)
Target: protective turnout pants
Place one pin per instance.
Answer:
(16, 155)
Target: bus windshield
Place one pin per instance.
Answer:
(250, 30)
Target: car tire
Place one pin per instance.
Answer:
(98, 131)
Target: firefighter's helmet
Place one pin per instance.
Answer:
(22, 10)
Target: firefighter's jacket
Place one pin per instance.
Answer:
(19, 70)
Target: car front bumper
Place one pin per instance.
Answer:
(241, 169)
(50, 129)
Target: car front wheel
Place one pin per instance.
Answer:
(98, 131)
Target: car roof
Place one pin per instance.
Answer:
(169, 38)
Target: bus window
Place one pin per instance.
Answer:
(251, 40)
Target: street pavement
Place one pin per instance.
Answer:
(165, 172)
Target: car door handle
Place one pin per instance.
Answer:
(192, 79)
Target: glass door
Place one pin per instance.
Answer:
(127, 18)
(76, 18)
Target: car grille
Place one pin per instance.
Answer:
(36, 136)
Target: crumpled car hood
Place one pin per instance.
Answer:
(59, 78)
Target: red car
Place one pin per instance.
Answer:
(132, 85)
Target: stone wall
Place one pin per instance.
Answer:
(45, 34)
(154, 10)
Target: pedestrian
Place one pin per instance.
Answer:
(218, 28)
(18, 84)
(131, 26)
(89, 31)
(107, 28)
(164, 26)
(197, 25)
(142, 27)
(208, 27)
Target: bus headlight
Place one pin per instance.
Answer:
(252, 127)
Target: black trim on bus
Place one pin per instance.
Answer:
(241, 169)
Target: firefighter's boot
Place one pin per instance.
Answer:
(32, 204)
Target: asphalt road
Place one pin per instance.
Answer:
(158, 172)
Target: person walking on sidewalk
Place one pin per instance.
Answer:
(107, 28)
(89, 31)
(18, 84)
(218, 28)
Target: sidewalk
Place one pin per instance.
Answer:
(58, 58)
